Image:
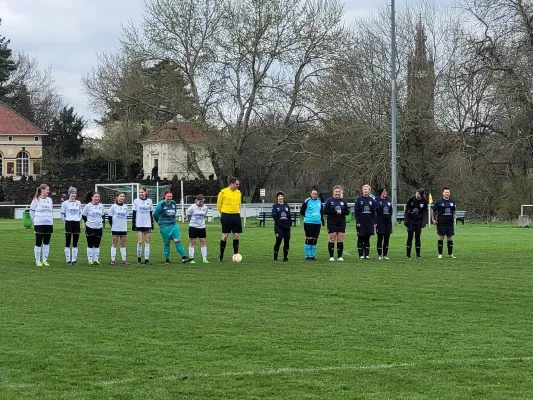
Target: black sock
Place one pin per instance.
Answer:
(360, 246)
(276, 247)
(440, 245)
(222, 248)
(367, 246)
(331, 248)
(450, 247)
(235, 246)
(340, 249)
(380, 244)
(386, 244)
(418, 244)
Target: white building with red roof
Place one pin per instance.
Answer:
(21, 145)
(166, 151)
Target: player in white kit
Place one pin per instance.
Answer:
(71, 216)
(143, 223)
(92, 216)
(196, 214)
(42, 215)
(118, 219)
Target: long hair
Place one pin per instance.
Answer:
(40, 189)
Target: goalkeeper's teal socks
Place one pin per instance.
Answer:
(166, 251)
(180, 249)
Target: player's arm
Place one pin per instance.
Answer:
(327, 209)
(425, 214)
(357, 211)
(33, 207)
(133, 218)
(157, 211)
(110, 214)
(435, 212)
(346, 209)
(373, 211)
(322, 214)
(85, 212)
(220, 201)
(63, 211)
(189, 211)
(303, 209)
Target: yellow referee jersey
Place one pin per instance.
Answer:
(229, 201)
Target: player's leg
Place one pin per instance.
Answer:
(90, 243)
(96, 246)
(418, 242)
(360, 246)
(123, 249)
(68, 239)
(307, 246)
(139, 245)
(46, 247)
(226, 230)
(380, 244)
(38, 244)
(203, 246)
(449, 236)
(409, 244)
(440, 243)
(165, 236)
(386, 238)
(75, 239)
(176, 238)
(332, 236)
(114, 241)
(277, 244)
(367, 246)
(315, 236)
(340, 245)
(192, 241)
(286, 245)
(147, 240)
(237, 230)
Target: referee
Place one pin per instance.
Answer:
(229, 207)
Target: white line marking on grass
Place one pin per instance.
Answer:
(311, 370)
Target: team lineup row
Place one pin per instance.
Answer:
(372, 215)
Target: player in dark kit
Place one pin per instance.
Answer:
(281, 213)
(365, 217)
(444, 218)
(416, 218)
(384, 223)
(336, 209)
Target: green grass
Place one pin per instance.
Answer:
(402, 329)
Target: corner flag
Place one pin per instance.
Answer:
(430, 199)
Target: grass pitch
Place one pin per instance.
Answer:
(398, 329)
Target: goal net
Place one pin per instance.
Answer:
(131, 191)
(109, 190)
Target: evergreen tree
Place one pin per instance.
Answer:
(7, 65)
(64, 139)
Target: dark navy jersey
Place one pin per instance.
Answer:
(281, 213)
(445, 210)
(417, 210)
(383, 209)
(332, 206)
(365, 209)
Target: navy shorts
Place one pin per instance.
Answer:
(195, 233)
(282, 233)
(312, 230)
(43, 229)
(445, 230)
(336, 227)
(72, 227)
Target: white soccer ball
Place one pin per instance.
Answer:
(237, 258)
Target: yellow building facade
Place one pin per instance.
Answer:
(21, 145)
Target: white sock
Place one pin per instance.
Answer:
(191, 252)
(146, 251)
(123, 253)
(90, 252)
(139, 250)
(37, 253)
(204, 252)
(74, 253)
(113, 253)
(46, 252)
(96, 253)
(67, 253)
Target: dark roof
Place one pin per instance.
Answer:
(12, 123)
(174, 130)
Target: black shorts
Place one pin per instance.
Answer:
(282, 233)
(72, 227)
(119, 233)
(43, 229)
(384, 227)
(445, 230)
(199, 233)
(336, 227)
(312, 230)
(414, 226)
(231, 223)
(143, 229)
(93, 232)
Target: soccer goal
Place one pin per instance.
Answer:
(108, 190)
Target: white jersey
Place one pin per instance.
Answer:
(94, 213)
(197, 216)
(42, 211)
(71, 210)
(142, 209)
(119, 213)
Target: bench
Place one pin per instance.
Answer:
(460, 216)
(400, 215)
(267, 215)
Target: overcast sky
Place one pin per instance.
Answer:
(67, 35)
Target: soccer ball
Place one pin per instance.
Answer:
(237, 258)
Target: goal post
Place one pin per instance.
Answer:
(108, 190)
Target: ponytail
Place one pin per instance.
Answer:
(40, 189)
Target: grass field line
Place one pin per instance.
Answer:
(311, 370)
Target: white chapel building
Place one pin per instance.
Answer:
(165, 155)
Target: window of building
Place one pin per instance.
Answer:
(37, 167)
(23, 164)
(36, 138)
(11, 168)
(10, 138)
(1, 165)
